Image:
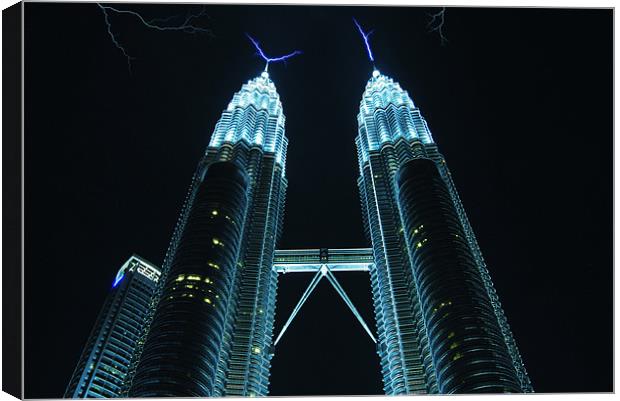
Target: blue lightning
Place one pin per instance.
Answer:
(436, 24)
(271, 59)
(365, 36)
(185, 26)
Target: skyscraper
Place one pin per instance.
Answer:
(210, 334)
(208, 328)
(441, 328)
(103, 365)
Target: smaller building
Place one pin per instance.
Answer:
(105, 360)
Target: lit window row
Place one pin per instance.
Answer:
(442, 305)
(417, 230)
(193, 277)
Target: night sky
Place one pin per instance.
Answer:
(519, 101)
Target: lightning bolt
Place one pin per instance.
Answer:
(365, 36)
(186, 25)
(436, 24)
(271, 59)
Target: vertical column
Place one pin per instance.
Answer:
(466, 342)
(404, 365)
(182, 349)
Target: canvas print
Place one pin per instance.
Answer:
(289, 200)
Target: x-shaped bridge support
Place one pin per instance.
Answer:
(326, 272)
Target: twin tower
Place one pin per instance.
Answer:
(209, 329)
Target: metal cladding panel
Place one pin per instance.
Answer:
(247, 372)
(250, 134)
(405, 363)
(466, 342)
(181, 353)
(391, 133)
(518, 364)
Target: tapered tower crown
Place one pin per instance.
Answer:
(255, 116)
(387, 113)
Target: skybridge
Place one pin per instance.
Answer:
(323, 262)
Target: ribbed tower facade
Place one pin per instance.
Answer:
(440, 326)
(102, 368)
(210, 330)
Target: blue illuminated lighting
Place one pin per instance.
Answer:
(254, 116)
(271, 59)
(365, 36)
(119, 277)
(386, 114)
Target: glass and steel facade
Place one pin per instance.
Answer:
(181, 354)
(440, 326)
(231, 355)
(205, 326)
(102, 368)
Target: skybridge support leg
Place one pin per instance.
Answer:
(345, 297)
(325, 271)
(315, 280)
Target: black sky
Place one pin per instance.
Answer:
(519, 102)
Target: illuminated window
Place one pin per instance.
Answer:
(451, 334)
(180, 278)
(193, 277)
(454, 345)
(207, 300)
(217, 242)
(214, 212)
(446, 303)
(256, 350)
(214, 265)
(457, 356)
